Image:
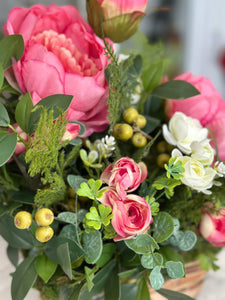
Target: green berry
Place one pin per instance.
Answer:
(122, 132)
(130, 114)
(139, 140)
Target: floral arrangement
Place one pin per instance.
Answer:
(112, 175)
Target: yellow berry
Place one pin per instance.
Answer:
(122, 132)
(44, 217)
(23, 220)
(44, 234)
(162, 159)
(141, 121)
(139, 140)
(130, 114)
(161, 147)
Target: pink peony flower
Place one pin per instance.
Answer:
(62, 56)
(131, 215)
(20, 147)
(125, 175)
(121, 18)
(212, 228)
(203, 107)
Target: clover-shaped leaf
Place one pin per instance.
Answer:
(168, 184)
(173, 169)
(96, 218)
(90, 190)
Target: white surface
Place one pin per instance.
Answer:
(213, 288)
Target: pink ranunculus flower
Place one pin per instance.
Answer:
(62, 56)
(212, 228)
(203, 107)
(121, 18)
(20, 147)
(72, 131)
(131, 215)
(125, 175)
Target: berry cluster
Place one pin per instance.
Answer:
(43, 217)
(124, 131)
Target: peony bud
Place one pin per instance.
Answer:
(120, 19)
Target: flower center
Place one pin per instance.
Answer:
(73, 60)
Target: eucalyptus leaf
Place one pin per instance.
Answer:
(142, 244)
(188, 241)
(75, 181)
(150, 261)
(23, 111)
(175, 269)
(23, 278)
(92, 243)
(67, 217)
(175, 89)
(11, 46)
(164, 227)
(156, 278)
(8, 143)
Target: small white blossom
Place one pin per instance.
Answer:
(220, 168)
(107, 145)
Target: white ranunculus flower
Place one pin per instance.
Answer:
(203, 152)
(182, 131)
(196, 176)
(220, 168)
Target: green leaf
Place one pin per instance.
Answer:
(152, 124)
(23, 278)
(164, 226)
(188, 241)
(57, 103)
(8, 143)
(63, 256)
(1, 76)
(143, 290)
(175, 89)
(91, 190)
(99, 281)
(156, 278)
(8, 208)
(67, 217)
(11, 46)
(152, 76)
(150, 261)
(112, 287)
(89, 277)
(23, 111)
(96, 218)
(170, 254)
(176, 237)
(172, 295)
(13, 255)
(24, 196)
(75, 181)
(142, 244)
(175, 269)
(129, 273)
(175, 170)
(15, 237)
(92, 246)
(107, 253)
(129, 291)
(168, 184)
(51, 247)
(45, 267)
